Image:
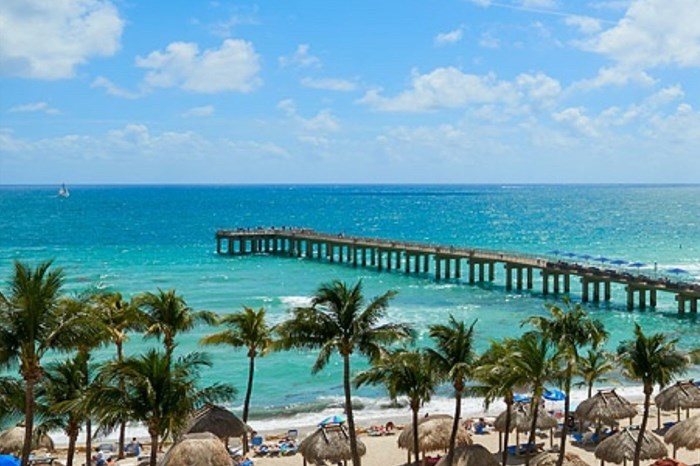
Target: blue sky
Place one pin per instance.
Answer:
(367, 91)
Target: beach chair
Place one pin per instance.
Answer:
(256, 441)
(479, 429)
(578, 438)
(292, 434)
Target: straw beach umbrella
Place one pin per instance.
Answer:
(199, 449)
(12, 441)
(471, 455)
(606, 407)
(329, 444)
(517, 417)
(620, 447)
(550, 459)
(433, 434)
(217, 420)
(685, 434)
(681, 395)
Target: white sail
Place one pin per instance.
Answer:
(63, 191)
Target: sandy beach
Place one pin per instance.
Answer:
(384, 451)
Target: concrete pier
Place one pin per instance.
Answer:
(416, 258)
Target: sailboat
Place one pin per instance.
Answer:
(63, 191)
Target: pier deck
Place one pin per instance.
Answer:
(446, 262)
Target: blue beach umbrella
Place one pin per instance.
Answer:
(677, 271)
(586, 256)
(618, 262)
(556, 252)
(602, 259)
(332, 420)
(9, 460)
(519, 398)
(570, 254)
(637, 264)
(554, 395)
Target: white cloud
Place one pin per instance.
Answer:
(113, 89)
(538, 3)
(49, 39)
(449, 37)
(585, 24)
(329, 84)
(488, 41)
(232, 67)
(34, 107)
(441, 88)
(204, 111)
(652, 34)
(322, 121)
(539, 88)
(301, 58)
(577, 118)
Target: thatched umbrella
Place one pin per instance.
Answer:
(620, 447)
(517, 415)
(681, 395)
(199, 449)
(685, 434)
(329, 443)
(433, 434)
(550, 459)
(606, 407)
(217, 420)
(471, 455)
(12, 441)
(521, 421)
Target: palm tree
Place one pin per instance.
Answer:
(119, 317)
(536, 361)
(65, 385)
(498, 379)
(250, 330)
(11, 400)
(160, 393)
(592, 367)
(652, 360)
(32, 322)
(569, 329)
(408, 373)
(167, 314)
(338, 320)
(453, 357)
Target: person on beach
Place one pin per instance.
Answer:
(99, 457)
(133, 448)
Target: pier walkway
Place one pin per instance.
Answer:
(447, 262)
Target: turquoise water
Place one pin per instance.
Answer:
(135, 239)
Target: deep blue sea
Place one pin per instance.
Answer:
(140, 238)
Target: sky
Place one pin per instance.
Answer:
(362, 91)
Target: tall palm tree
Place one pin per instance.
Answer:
(498, 378)
(570, 329)
(167, 314)
(454, 357)
(250, 330)
(536, 360)
(32, 322)
(159, 392)
(408, 373)
(592, 367)
(338, 320)
(652, 360)
(119, 317)
(64, 384)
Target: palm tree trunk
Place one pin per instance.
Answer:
(414, 420)
(455, 423)
(28, 419)
(509, 407)
(533, 428)
(88, 441)
(647, 401)
(567, 405)
(122, 424)
(154, 449)
(348, 411)
(72, 437)
(590, 389)
(246, 404)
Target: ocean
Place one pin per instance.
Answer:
(140, 238)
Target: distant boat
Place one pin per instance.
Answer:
(63, 191)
